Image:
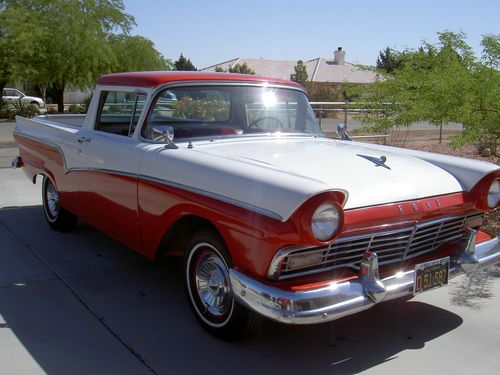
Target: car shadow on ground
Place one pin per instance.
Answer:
(141, 307)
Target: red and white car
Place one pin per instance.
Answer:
(272, 218)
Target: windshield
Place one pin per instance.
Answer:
(210, 111)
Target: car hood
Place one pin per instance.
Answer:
(278, 174)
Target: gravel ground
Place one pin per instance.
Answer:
(469, 151)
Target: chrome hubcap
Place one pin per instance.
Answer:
(212, 284)
(52, 200)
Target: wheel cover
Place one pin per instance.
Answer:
(212, 283)
(52, 199)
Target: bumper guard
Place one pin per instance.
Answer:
(338, 299)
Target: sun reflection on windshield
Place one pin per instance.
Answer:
(269, 99)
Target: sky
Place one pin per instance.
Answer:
(210, 32)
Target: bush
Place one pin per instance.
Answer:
(76, 108)
(10, 111)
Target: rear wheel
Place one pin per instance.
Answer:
(57, 217)
(208, 289)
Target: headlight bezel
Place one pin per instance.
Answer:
(325, 221)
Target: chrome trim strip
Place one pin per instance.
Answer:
(261, 211)
(234, 202)
(338, 299)
(45, 142)
(103, 170)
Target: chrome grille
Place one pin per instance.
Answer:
(391, 246)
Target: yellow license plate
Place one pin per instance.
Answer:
(430, 275)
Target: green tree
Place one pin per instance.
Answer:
(300, 76)
(442, 83)
(388, 60)
(241, 69)
(136, 53)
(71, 37)
(184, 64)
(219, 69)
(14, 45)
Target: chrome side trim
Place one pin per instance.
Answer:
(45, 142)
(337, 299)
(76, 169)
(103, 170)
(234, 202)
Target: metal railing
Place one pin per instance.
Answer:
(331, 114)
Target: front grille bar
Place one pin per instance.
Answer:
(391, 246)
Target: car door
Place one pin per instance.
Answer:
(107, 167)
(11, 96)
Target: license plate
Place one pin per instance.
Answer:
(430, 275)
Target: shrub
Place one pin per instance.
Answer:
(75, 108)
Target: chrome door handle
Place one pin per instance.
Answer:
(83, 139)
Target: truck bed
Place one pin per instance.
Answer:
(73, 120)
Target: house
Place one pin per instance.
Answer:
(320, 70)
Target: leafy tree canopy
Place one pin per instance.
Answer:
(300, 76)
(184, 64)
(388, 61)
(71, 40)
(442, 83)
(241, 68)
(136, 53)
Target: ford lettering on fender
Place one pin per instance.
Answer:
(272, 218)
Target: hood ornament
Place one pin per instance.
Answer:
(379, 162)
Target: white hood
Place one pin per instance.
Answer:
(279, 174)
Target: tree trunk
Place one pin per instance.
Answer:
(57, 96)
(43, 89)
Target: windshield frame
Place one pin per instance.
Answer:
(158, 90)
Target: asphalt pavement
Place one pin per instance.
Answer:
(81, 303)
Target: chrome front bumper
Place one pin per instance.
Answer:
(338, 299)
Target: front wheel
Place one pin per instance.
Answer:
(208, 289)
(57, 217)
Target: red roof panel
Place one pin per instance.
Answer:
(154, 79)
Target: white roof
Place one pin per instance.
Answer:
(318, 70)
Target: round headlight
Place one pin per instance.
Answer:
(325, 222)
(494, 194)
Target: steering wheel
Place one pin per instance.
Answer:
(254, 123)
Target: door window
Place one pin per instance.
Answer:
(119, 112)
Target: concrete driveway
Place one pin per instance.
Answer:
(81, 303)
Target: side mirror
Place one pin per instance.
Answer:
(342, 132)
(164, 134)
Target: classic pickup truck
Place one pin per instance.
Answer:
(273, 219)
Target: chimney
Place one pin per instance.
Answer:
(339, 56)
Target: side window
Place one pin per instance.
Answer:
(11, 93)
(119, 112)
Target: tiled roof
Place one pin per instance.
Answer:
(318, 70)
